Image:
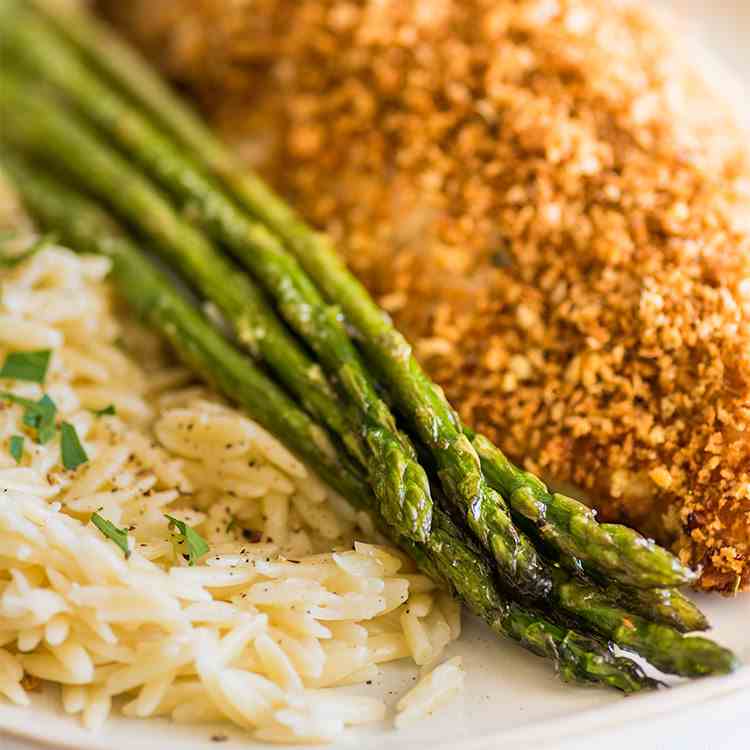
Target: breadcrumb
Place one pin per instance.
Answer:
(552, 206)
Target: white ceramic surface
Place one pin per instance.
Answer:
(511, 698)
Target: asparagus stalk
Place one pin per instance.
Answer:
(571, 527)
(662, 645)
(577, 658)
(401, 483)
(120, 62)
(665, 606)
(78, 152)
(649, 622)
(446, 554)
(616, 552)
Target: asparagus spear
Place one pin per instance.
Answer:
(662, 645)
(401, 483)
(649, 622)
(569, 597)
(665, 606)
(446, 554)
(565, 524)
(616, 552)
(120, 62)
(571, 527)
(624, 617)
(578, 658)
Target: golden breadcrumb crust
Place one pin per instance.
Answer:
(552, 206)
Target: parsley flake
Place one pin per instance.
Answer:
(73, 454)
(30, 366)
(39, 415)
(195, 544)
(16, 447)
(118, 536)
(107, 411)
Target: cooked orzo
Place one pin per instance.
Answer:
(289, 601)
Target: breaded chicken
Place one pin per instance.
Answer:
(551, 204)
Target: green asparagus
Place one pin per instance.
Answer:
(446, 554)
(104, 49)
(598, 612)
(615, 552)
(665, 606)
(571, 527)
(578, 658)
(649, 622)
(662, 645)
(402, 482)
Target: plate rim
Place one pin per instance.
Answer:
(22, 721)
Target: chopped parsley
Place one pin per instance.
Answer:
(30, 366)
(195, 545)
(39, 415)
(16, 447)
(73, 454)
(107, 411)
(118, 536)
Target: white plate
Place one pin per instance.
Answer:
(511, 699)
